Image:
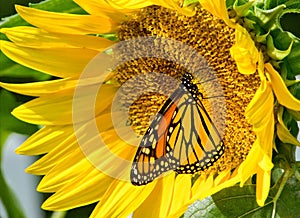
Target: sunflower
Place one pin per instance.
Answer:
(96, 59)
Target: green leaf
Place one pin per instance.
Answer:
(231, 202)
(241, 202)
(288, 202)
(236, 201)
(205, 208)
(8, 7)
(289, 21)
(66, 6)
(9, 123)
(81, 212)
(11, 71)
(293, 60)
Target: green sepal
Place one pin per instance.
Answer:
(268, 18)
(275, 64)
(283, 132)
(285, 155)
(276, 174)
(297, 171)
(294, 114)
(242, 9)
(249, 23)
(262, 38)
(295, 90)
(275, 53)
(187, 3)
(291, 82)
(229, 3)
(290, 122)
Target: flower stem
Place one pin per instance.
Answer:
(9, 200)
(7, 196)
(287, 174)
(59, 214)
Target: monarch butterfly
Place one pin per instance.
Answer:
(181, 137)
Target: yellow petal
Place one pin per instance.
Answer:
(44, 140)
(107, 149)
(234, 179)
(102, 8)
(57, 109)
(129, 4)
(37, 38)
(249, 166)
(40, 88)
(263, 182)
(222, 177)
(87, 188)
(261, 106)
(61, 62)
(201, 186)
(59, 153)
(52, 86)
(175, 5)
(260, 114)
(218, 9)
(266, 164)
(65, 171)
(282, 93)
(66, 23)
(157, 204)
(121, 199)
(73, 145)
(244, 51)
(182, 193)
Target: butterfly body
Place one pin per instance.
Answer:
(181, 137)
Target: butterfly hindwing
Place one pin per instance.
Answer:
(199, 143)
(151, 157)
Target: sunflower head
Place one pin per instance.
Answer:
(156, 103)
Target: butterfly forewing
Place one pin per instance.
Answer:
(151, 158)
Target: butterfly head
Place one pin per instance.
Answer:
(187, 81)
